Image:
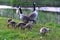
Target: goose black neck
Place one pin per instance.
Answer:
(34, 7)
(20, 10)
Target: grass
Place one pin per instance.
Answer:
(33, 34)
(46, 19)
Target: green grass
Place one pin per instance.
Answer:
(46, 19)
(33, 34)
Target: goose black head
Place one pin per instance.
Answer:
(20, 10)
(18, 5)
(34, 4)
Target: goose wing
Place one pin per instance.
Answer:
(32, 16)
(25, 19)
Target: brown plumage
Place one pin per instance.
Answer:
(11, 23)
(23, 17)
(20, 25)
(34, 14)
(25, 25)
(29, 25)
(31, 17)
(44, 30)
(10, 19)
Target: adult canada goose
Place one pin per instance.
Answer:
(23, 17)
(31, 17)
(34, 14)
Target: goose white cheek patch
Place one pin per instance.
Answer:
(21, 15)
(17, 11)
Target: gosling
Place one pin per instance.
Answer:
(44, 30)
(11, 23)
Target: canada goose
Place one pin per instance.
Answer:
(10, 19)
(44, 30)
(11, 23)
(20, 25)
(34, 14)
(24, 18)
(31, 17)
(25, 25)
(29, 25)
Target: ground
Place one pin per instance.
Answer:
(33, 34)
